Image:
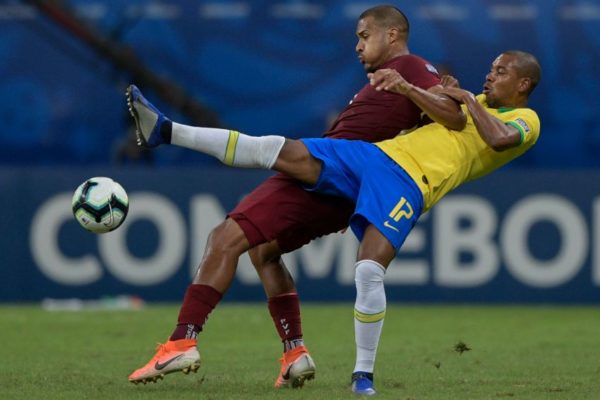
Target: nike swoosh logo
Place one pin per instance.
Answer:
(286, 376)
(160, 366)
(388, 225)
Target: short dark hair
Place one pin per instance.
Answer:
(389, 17)
(527, 67)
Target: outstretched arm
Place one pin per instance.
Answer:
(498, 135)
(440, 108)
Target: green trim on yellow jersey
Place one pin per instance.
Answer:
(519, 128)
(504, 109)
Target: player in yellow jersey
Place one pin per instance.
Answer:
(391, 182)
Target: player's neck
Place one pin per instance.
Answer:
(521, 103)
(396, 53)
(516, 101)
(400, 50)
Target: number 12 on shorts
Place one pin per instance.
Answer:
(402, 209)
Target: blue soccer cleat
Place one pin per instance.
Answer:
(362, 383)
(148, 118)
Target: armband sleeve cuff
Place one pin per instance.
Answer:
(519, 128)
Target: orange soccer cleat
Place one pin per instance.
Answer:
(297, 366)
(175, 355)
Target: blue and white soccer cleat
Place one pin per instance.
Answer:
(148, 118)
(362, 383)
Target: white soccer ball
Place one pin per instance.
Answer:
(100, 205)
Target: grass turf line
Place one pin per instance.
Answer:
(515, 353)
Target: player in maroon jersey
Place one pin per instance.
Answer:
(279, 216)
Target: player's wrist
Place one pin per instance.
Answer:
(408, 89)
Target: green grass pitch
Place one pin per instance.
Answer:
(515, 353)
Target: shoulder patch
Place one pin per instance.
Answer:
(523, 124)
(431, 69)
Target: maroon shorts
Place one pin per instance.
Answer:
(279, 209)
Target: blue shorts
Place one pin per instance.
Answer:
(384, 194)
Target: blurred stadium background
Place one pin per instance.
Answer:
(528, 234)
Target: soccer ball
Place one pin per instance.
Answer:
(100, 205)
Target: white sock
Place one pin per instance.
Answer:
(369, 312)
(230, 147)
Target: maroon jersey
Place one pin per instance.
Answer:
(280, 209)
(374, 116)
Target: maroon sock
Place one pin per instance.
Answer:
(285, 311)
(198, 302)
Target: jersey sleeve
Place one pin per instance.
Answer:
(527, 123)
(420, 73)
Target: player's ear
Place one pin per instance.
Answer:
(524, 85)
(393, 35)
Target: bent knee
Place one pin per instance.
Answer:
(264, 254)
(227, 237)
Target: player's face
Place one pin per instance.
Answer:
(502, 82)
(373, 46)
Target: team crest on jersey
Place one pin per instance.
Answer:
(523, 124)
(431, 69)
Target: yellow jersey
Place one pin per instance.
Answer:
(439, 159)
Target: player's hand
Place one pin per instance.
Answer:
(448, 81)
(460, 95)
(389, 80)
